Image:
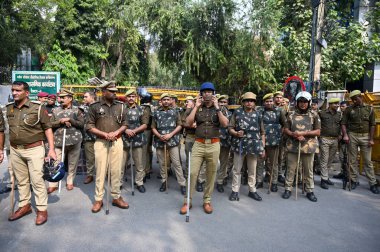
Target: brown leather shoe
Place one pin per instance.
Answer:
(184, 208)
(51, 189)
(69, 187)
(97, 206)
(42, 217)
(88, 179)
(207, 208)
(120, 203)
(21, 212)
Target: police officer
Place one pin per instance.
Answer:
(280, 102)
(29, 124)
(330, 132)
(166, 125)
(208, 117)
(146, 101)
(51, 103)
(273, 120)
(137, 121)
(342, 144)
(2, 136)
(358, 128)
(71, 118)
(248, 141)
(302, 127)
(89, 138)
(107, 120)
(43, 97)
(225, 146)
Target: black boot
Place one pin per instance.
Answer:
(234, 196)
(329, 182)
(374, 189)
(281, 179)
(255, 196)
(199, 186)
(274, 188)
(324, 184)
(219, 188)
(339, 175)
(163, 187)
(141, 188)
(311, 196)
(286, 194)
(183, 190)
(354, 185)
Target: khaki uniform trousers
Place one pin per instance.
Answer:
(137, 156)
(306, 163)
(236, 171)
(271, 161)
(148, 152)
(360, 140)
(174, 158)
(328, 148)
(282, 156)
(223, 159)
(72, 154)
(189, 142)
(27, 166)
(90, 157)
(208, 153)
(115, 162)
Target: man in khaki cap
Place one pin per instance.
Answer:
(358, 128)
(137, 121)
(330, 132)
(71, 118)
(29, 124)
(166, 126)
(278, 97)
(107, 120)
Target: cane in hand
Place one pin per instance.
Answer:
(109, 144)
(188, 190)
(132, 174)
(298, 166)
(62, 157)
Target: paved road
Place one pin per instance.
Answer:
(339, 221)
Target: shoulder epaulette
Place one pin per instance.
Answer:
(36, 102)
(9, 103)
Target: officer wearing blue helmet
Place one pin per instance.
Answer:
(208, 117)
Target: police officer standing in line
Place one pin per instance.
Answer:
(225, 147)
(43, 97)
(29, 124)
(273, 120)
(137, 121)
(107, 120)
(71, 118)
(329, 139)
(358, 128)
(303, 127)
(342, 144)
(166, 126)
(248, 141)
(208, 117)
(89, 138)
(2, 136)
(278, 99)
(145, 102)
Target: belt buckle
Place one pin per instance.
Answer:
(208, 141)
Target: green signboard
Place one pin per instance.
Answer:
(39, 81)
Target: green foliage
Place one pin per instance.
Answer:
(64, 62)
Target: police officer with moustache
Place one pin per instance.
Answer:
(208, 117)
(71, 118)
(137, 121)
(29, 124)
(146, 101)
(166, 126)
(107, 120)
(273, 120)
(248, 141)
(303, 127)
(89, 138)
(358, 128)
(329, 140)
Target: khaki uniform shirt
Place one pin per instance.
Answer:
(106, 118)
(27, 124)
(358, 119)
(208, 124)
(330, 123)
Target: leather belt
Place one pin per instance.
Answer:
(330, 137)
(207, 140)
(27, 146)
(359, 134)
